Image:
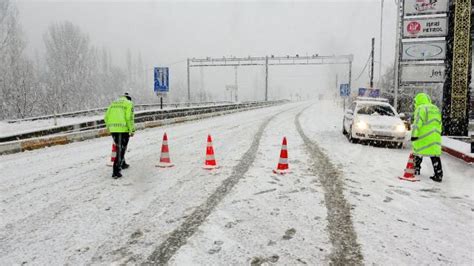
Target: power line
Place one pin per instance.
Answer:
(366, 64)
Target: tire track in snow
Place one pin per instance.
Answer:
(346, 250)
(166, 250)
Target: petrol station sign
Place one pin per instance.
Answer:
(425, 27)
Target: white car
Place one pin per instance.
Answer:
(373, 119)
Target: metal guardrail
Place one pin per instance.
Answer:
(143, 116)
(97, 111)
(64, 138)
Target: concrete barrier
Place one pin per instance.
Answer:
(12, 147)
(457, 154)
(458, 147)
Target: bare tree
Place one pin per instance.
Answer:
(70, 63)
(26, 97)
(17, 77)
(77, 76)
(7, 13)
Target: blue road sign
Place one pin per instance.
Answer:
(344, 90)
(162, 83)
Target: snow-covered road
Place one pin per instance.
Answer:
(59, 205)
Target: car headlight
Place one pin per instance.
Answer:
(362, 125)
(400, 128)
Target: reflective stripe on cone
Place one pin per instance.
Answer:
(283, 167)
(210, 162)
(165, 160)
(112, 155)
(409, 174)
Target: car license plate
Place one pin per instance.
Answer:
(381, 127)
(383, 133)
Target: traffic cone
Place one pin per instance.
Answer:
(409, 174)
(210, 162)
(165, 160)
(112, 155)
(282, 167)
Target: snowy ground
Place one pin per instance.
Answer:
(59, 205)
(400, 222)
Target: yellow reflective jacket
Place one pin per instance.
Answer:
(427, 127)
(119, 117)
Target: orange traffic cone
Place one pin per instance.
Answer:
(282, 167)
(409, 174)
(112, 155)
(165, 160)
(210, 162)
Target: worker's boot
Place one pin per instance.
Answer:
(125, 165)
(116, 172)
(438, 170)
(437, 178)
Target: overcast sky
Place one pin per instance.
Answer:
(167, 32)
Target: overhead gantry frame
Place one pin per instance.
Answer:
(268, 61)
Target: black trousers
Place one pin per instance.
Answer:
(436, 161)
(121, 141)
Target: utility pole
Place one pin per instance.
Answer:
(372, 65)
(397, 56)
(350, 73)
(349, 83)
(380, 48)
(266, 78)
(236, 86)
(189, 86)
(201, 70)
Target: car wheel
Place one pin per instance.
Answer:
(349, 136)
(399, 145)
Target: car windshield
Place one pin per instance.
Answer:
(383, 110)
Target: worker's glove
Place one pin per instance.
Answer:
(131, 134)
(414, 138)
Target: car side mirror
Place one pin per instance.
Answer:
(402, 116)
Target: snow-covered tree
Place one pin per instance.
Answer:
(71, 75)
(17, 75)
(70, 66)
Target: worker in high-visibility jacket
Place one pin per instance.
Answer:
(426, 135)
(119, 120)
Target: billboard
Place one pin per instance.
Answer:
(425, 27)
(161, 82)
(424, 7)
(431, 73)
(433, 50)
